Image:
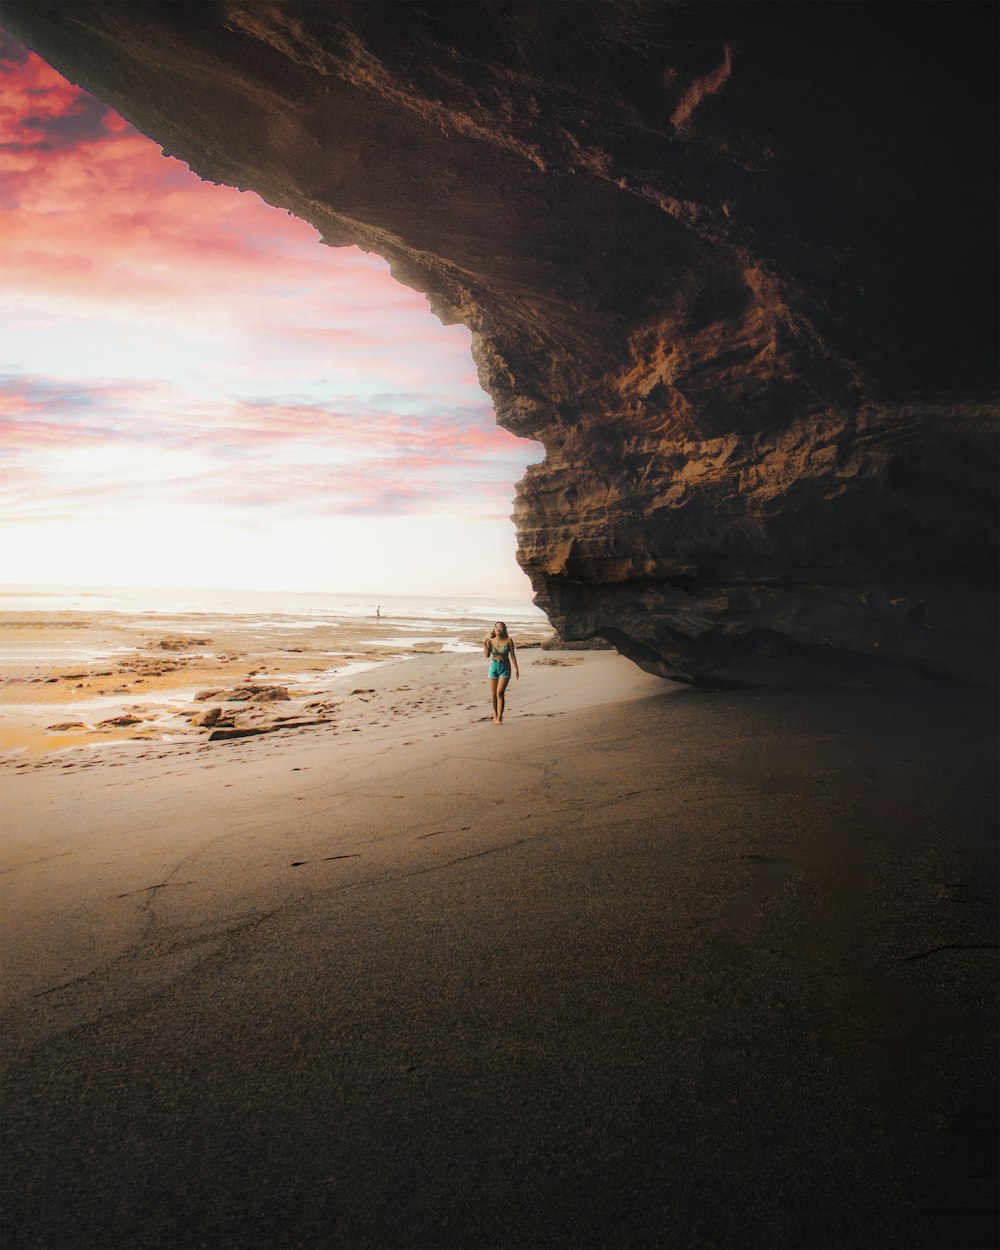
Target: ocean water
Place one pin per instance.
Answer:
(42, 626)
(279, 606)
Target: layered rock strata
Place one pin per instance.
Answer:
(731, 264)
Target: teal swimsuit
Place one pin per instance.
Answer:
(499, 660)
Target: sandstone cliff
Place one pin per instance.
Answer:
(732, 264)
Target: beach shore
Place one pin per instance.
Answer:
(640, 967)
(79, 679)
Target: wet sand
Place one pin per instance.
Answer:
(640, 967)
(73, 679)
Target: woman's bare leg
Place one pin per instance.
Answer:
(501, 687)
(493, 697)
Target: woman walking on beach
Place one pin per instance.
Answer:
(499, 650)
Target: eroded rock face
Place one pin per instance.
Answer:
(732, 264)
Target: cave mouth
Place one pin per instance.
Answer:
(209, 397)
(717, 285)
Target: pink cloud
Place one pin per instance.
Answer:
(97, 223)
(158, 410)
(325, 386)
(264, 456)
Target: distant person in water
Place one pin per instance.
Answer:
(378, 612)
(499, 650)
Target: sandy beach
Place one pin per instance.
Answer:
(641, 967)
(79, 679)
(397, 721)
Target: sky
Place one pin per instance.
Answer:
(195, 392)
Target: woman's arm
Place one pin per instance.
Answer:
(513, 656)
(486, 647)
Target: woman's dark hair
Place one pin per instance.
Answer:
(503, 628)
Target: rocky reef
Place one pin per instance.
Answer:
(732, 264)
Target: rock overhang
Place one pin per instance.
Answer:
(731, 264)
